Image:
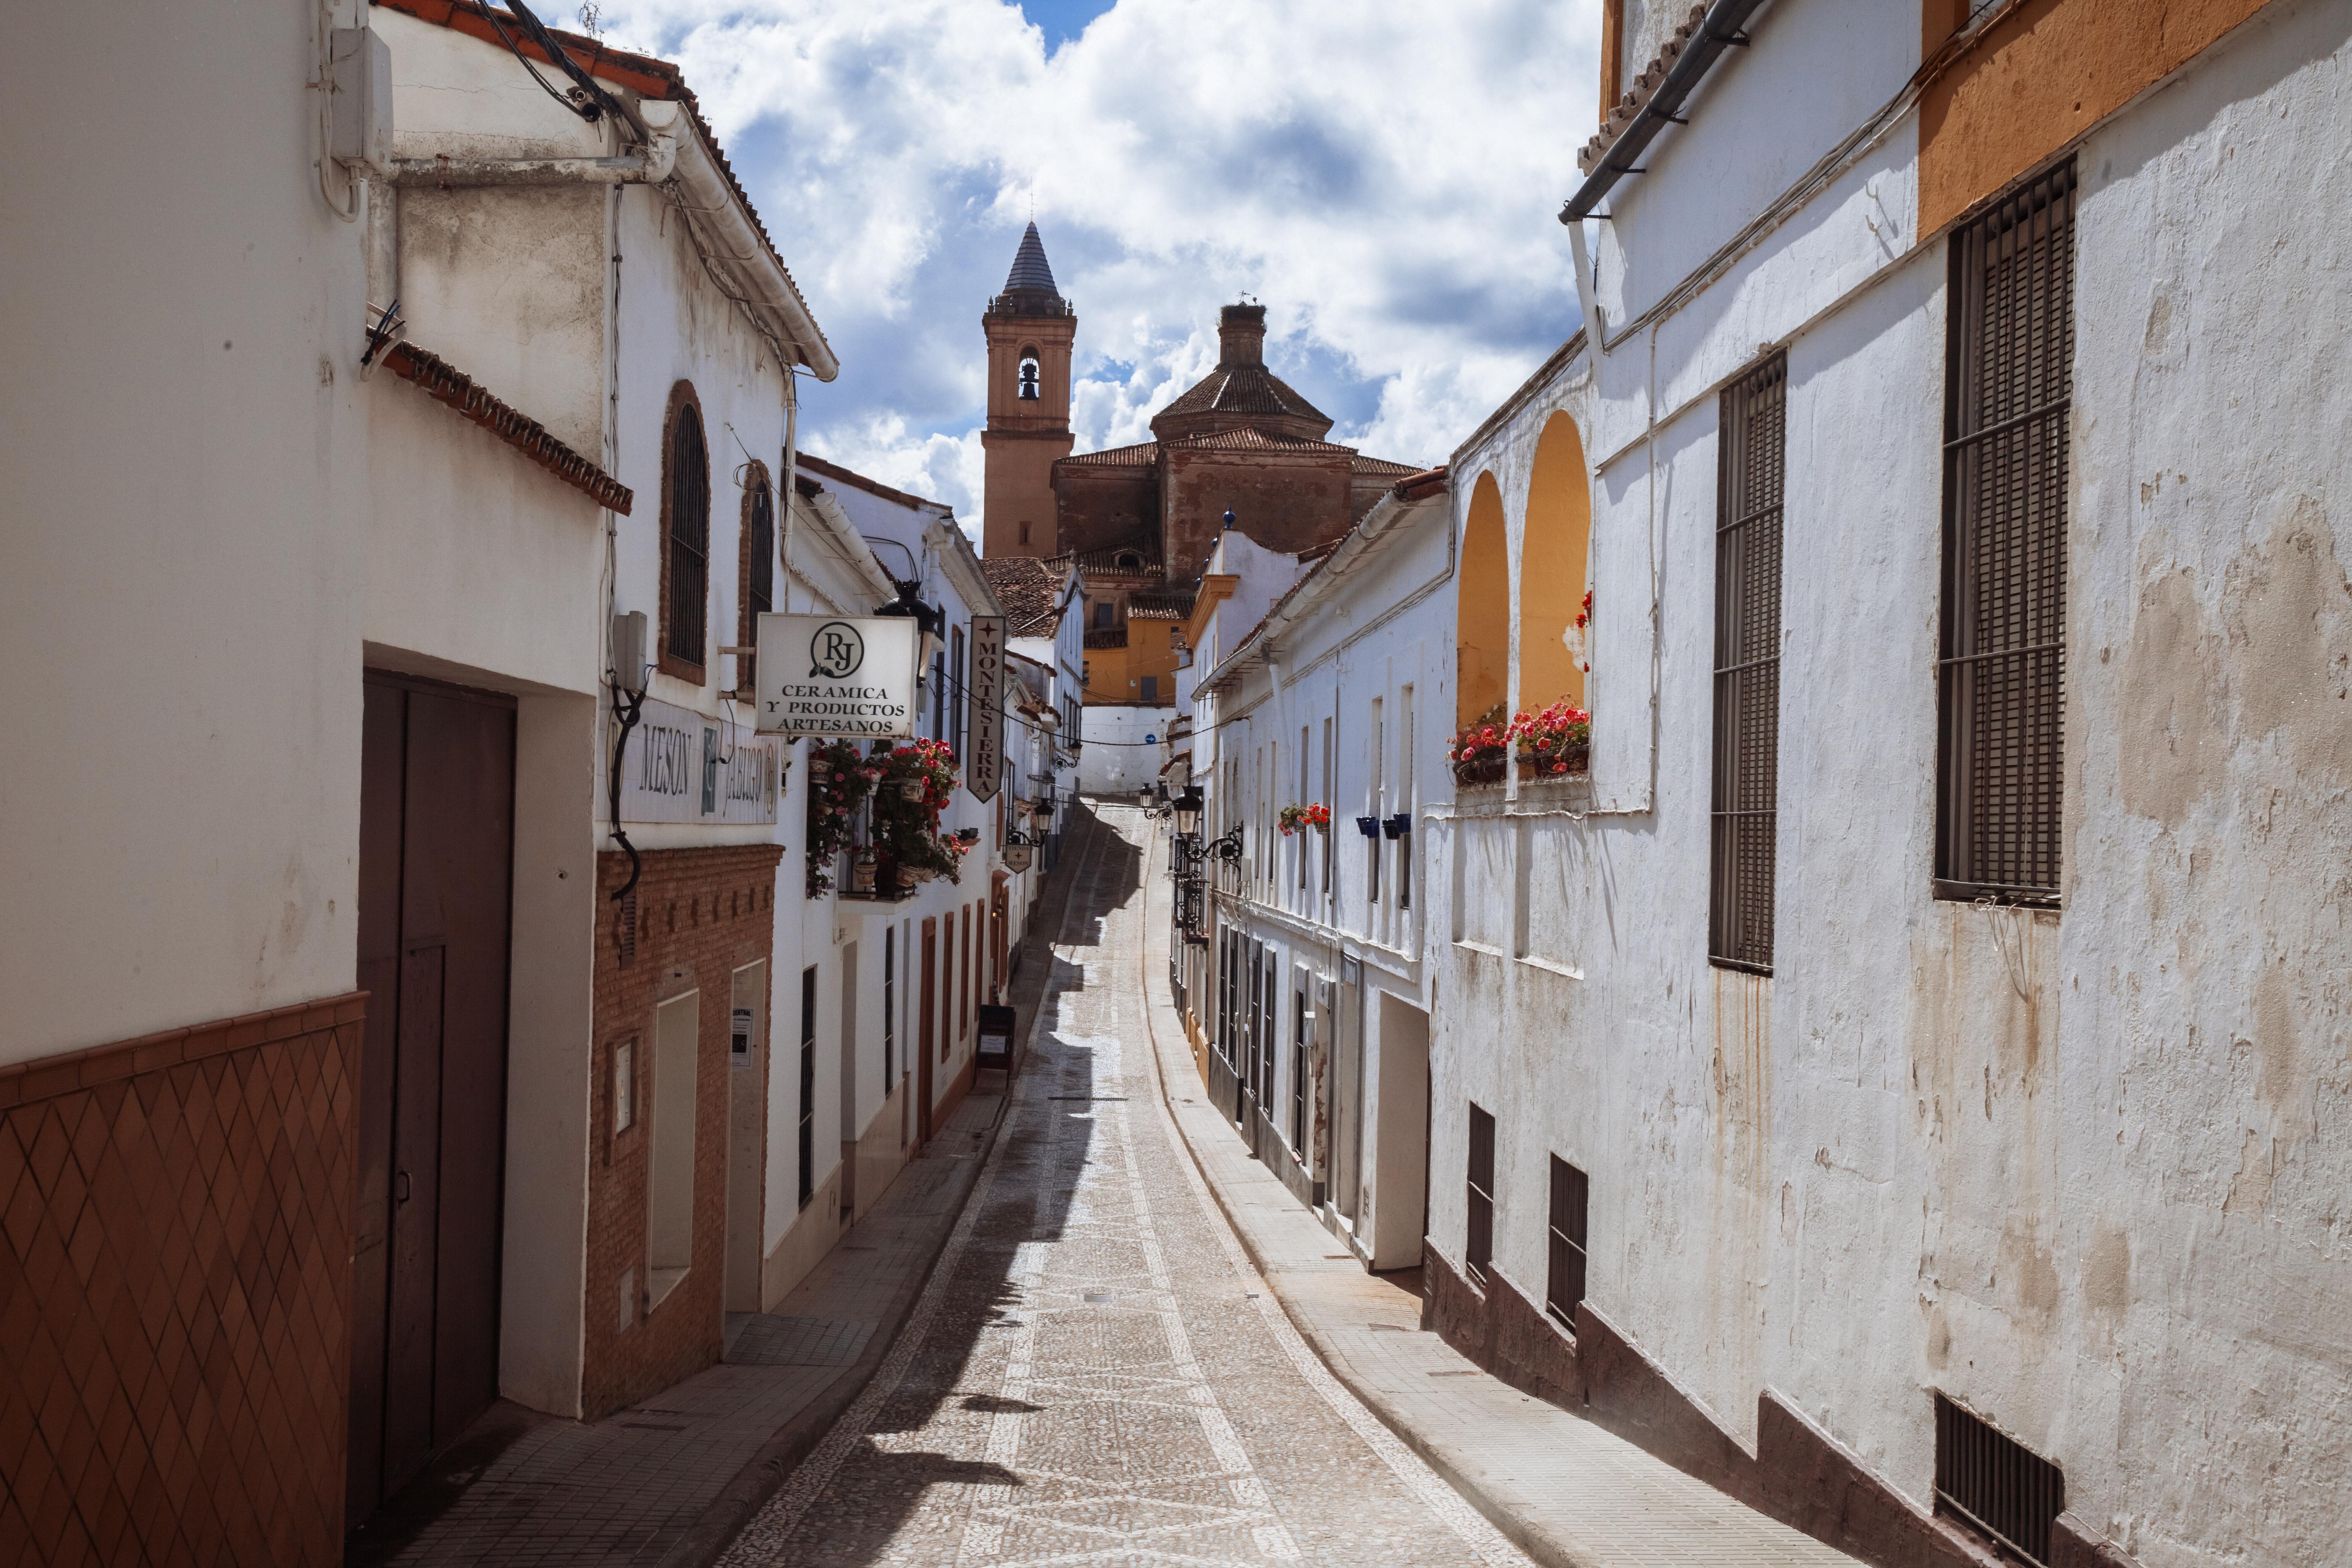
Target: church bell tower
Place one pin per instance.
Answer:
(1029, 330)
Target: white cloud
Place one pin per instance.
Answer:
(1381, 173)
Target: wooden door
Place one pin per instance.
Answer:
(436, 821)
(929, 1023)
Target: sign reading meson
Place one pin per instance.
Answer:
(834, 675)
(985, 762)
(683, 767)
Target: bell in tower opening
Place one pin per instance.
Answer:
(1029, 378)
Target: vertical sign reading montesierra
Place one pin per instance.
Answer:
(986, 761)
(836, 675)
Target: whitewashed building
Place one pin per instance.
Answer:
(1304, 985)
(1901, 1080)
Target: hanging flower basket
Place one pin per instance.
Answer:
(840, 780)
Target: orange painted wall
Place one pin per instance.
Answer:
(1552, 566)
(1483, 623)
(2042, 77)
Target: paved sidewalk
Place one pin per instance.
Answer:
(1566, 1492)
(668, 1482)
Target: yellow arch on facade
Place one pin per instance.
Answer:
(1554, 554)
(1482, 607)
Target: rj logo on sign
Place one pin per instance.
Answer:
(836, 651)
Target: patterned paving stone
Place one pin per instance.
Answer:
(1095, 1375)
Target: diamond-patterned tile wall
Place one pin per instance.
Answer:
(175, 1294)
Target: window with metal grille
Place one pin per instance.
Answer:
(1751, 468)
(759, 572)
(957, 674)
(808, 1086)
(890, 1008)
(689, 536)
(2009, 369)
(1996, 1484)
(1478, 1251)
(1571, 1194)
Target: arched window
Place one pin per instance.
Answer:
(759, 567)
(1553, 619)
(1129, 561)
(686, 528)
(1029, 375)
(1483, 613)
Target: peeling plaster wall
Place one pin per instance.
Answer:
(2082, 1169)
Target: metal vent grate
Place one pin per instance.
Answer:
(1996, 1484)
(1999, 679)
(1571, 1196)
(1479, 1252)
(1751, 473)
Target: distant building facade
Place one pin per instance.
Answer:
(1240, 449)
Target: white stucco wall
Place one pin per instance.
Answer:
(1124, 747)
(2075, 1168)
(186, 452)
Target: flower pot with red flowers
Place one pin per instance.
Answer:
(1303, 818)
(1480, 751)
(1553, 742)
(841, 778)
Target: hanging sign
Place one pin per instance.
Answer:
(838, 675)
(984, 763)
(683, 767)
(1017, 857)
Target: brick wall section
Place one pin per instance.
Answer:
(175, 1243)
(701, 915)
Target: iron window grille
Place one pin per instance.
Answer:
(689, 536)
(1478, 1252)
(1995, 1484)
(1751, 474)
(2000, 674)
(808, 1086)
(1571, 1192)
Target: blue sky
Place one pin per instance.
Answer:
(1381, 174)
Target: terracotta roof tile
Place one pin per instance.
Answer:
(1244, 389)
(1142, 455)
(1029, 590)
(811, 462)
(1250, 439)
(445, 383)
(1640, 90)
(1159, 606)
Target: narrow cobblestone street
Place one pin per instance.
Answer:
(1096, 1373)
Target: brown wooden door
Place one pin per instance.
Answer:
(436, 819)
(929, 1023)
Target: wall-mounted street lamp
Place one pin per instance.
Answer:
(1188, 806)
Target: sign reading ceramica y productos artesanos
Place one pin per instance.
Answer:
(838, 675)
(985, 763)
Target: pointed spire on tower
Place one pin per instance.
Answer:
(1030, 273)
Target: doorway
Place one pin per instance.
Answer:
(930, 1022)
(747, 1106)
(1401, 1161)
(849, 1128)
(436, 856)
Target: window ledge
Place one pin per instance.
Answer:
(659, 1283)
